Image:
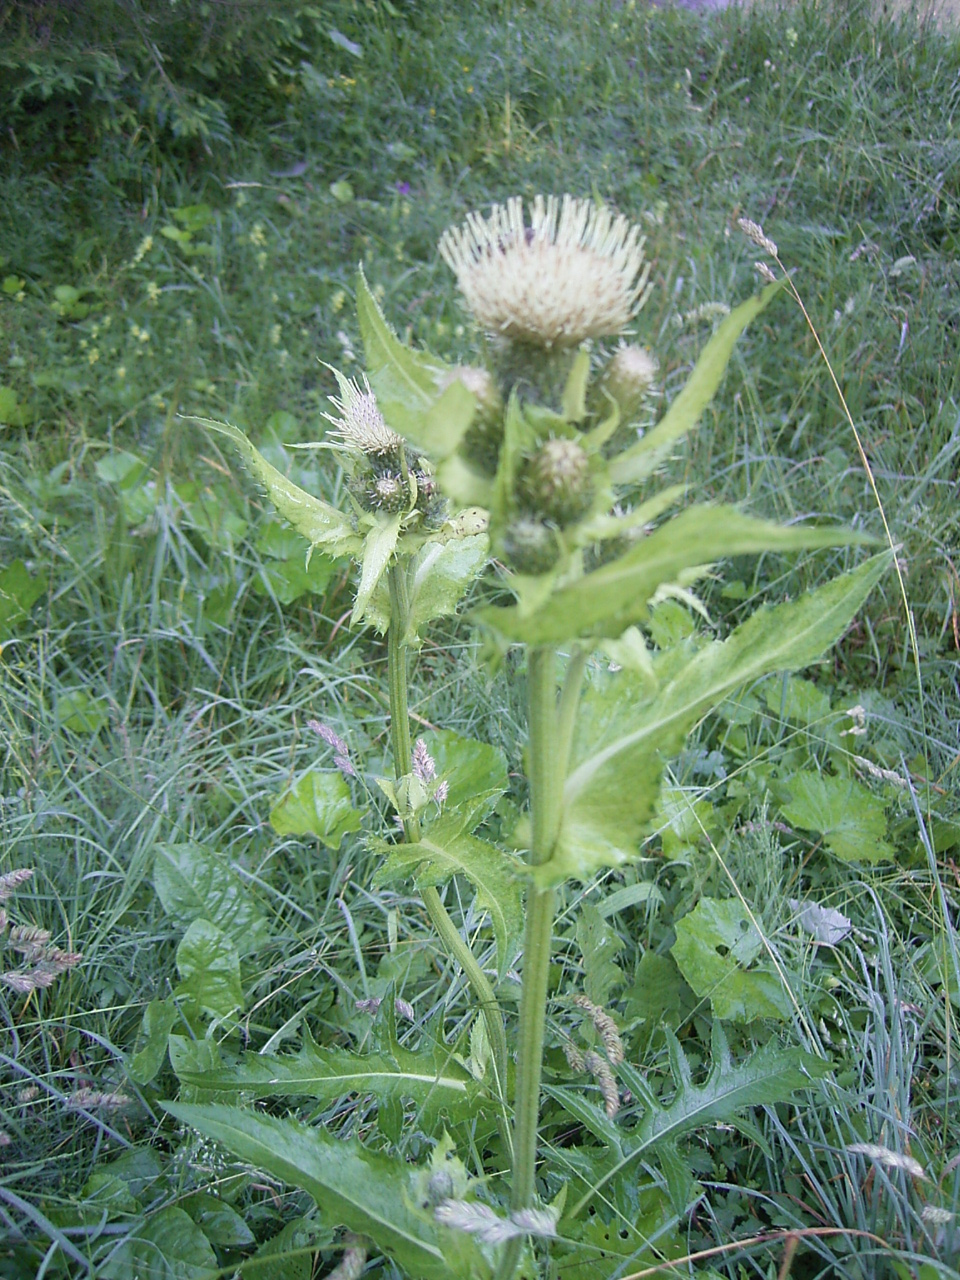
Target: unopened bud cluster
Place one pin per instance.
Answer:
(540, 286)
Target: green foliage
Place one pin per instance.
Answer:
(716, 949)
(629, 722)
(429, 1077)
(850, 818)
(195, 883)
(353, 1187)
(317, 804)
(209, 968)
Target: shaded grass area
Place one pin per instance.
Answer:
(157, 686)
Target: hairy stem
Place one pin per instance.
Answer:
(450, 935)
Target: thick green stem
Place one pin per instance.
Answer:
(551, 736)
(545, 786)
(450, 935)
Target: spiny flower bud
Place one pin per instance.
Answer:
(556, 481)
(628, 378)
(387, 492)
(530, 546)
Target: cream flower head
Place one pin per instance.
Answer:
(576, 272)
(361, 424)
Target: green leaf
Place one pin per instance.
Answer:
(81, 712)
(288, 580)
(195, 883)
(608, 600)
(158, 1021)
(598, 945)
(716, 944)
(698, 391)
(430, 1078)
(318, 804)
(19, 592)
(365, 1192)
(797, 699)
(210, 969)
(378, 546)
(12, 412)
(322, 525)
(445, 851)
(169, 1246)
(438, 577)
(629, 723)
(218, 1222)
(406, 384)
(768, 1076)
(850, 818)
(475, 774)
(289, 1254)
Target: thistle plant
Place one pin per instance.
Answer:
(525, 450)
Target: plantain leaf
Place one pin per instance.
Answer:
(717, 944)
(446, 851)
(770, 1075)
(629, 722)
(700, 388)
(322, 525)
(430, 1078)
(607, 601)
(365, 1192)
(378, 546)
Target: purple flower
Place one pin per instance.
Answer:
(341, 757)
(403, 188)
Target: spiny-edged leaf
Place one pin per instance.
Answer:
(416, 372)
(772, 1074)
(698, 391)
(193, 882)
(318, 804)
(378, 546)
(210, 969)
(446, 851)
(361, 1190)
(430, 1078)
(850, 818)
(439, 575)
(717, 943)
(168, 1246)
(322, 525)
(607, 601)
(629, 723)
(475, 773)
(406, 384)
(598, 945)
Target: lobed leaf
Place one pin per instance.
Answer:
(610, 599)
(354, 1188)
(430, 1078)
(446, 851)
(321, 524)
(629, 723)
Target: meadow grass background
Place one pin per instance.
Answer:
(184, 240)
